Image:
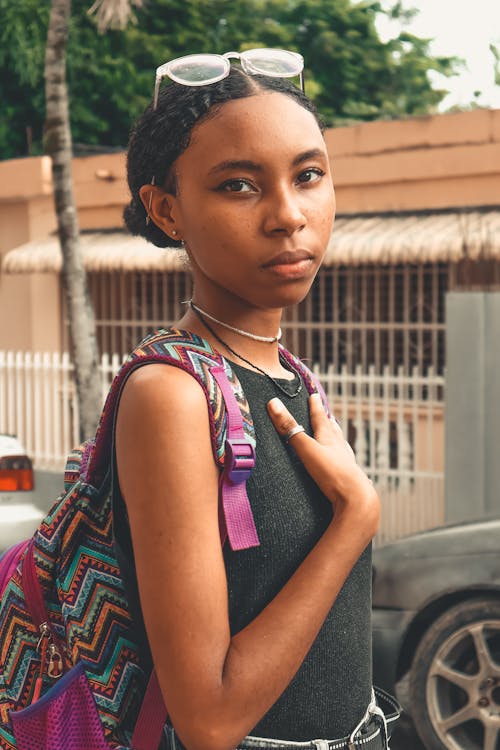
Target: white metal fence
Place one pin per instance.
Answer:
(394, 423)
(38, 402)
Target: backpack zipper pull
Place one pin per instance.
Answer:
(41, 646)
(44, 633)
(55, 668)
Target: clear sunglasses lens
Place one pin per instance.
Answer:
(272, 62)
(198, 70)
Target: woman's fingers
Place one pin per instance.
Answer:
(323, 427)
(284, 422)
(327, 456)
(307, 448)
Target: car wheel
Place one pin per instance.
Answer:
(455, 679)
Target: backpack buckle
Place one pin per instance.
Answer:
(239, 459)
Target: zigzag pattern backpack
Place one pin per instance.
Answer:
(70, 669)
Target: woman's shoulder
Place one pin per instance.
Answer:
(162, 431)
(159, 388)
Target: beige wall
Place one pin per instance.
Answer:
(432, 162)
(429, 162)
(30, 312)
(30, 305)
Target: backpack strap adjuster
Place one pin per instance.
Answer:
(239, 459)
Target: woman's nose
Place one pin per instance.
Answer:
(284, 214)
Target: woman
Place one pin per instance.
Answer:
(274, 641)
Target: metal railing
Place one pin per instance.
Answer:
(395, 425)
(38, 402)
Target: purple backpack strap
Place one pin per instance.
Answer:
(237, 518)
(152, 717)
(9, 561)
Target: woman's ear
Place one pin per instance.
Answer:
(160, 208)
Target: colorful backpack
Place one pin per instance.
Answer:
(71, 674)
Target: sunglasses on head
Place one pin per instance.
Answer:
(204, 69)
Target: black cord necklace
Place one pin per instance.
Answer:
(283, 361)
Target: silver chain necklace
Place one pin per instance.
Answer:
(254, 336)
(199, 313)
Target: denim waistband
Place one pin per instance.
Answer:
(371, 733)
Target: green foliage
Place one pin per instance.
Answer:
(495, 51)
(23, 31)
(350, 73)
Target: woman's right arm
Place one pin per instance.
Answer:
(217, 687)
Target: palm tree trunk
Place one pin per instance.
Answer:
(58, 146)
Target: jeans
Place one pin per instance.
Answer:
(371, 733)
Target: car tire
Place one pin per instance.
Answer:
(455, 679)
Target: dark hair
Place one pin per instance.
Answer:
(159, 137)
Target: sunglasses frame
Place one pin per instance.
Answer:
(165, 70)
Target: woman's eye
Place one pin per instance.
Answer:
(310, 175)
(236, 186)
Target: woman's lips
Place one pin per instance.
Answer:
(291, 264)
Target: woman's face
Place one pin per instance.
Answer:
(255, 201)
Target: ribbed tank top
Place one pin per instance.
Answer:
(331, 690)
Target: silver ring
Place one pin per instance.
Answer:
(294, 431)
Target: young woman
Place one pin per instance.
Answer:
(271, 642)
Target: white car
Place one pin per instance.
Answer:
(19, 515)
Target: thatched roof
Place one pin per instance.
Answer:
(448, 236)
(102, 251)
(415, 238)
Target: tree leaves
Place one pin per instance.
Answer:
(351, 74)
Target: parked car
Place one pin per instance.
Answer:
(436, 631)
(19, 516)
